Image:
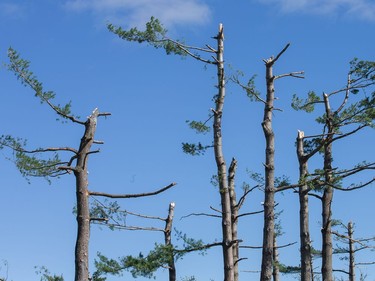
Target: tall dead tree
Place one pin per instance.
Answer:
(269, 191)
(31, 166)
(327, 197)
(305, 247)
(269, 165)
(226, 224)
(155, 35)
(346, 120)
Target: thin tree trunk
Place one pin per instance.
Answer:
(234, 209)
(351, 253)
(83, 211)
(305, 250)
(276, 270)
(269, 193)
(168, 241)
(327, 198)
(221, 165)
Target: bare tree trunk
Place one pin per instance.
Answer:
(327, 198)
(351, 253)
(234, 209)
(306, 266)
(221, 165)
(83, 211)
(269, 193)
(168, 241)
(276, 270)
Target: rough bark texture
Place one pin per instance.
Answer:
(234, 209)
(276, 270)
(305, 248)
(269, 193)
(221, 165)
(168, 241)
(327, 198)
(83, 211)
(351, 253)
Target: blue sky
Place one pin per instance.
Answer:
(150, 97)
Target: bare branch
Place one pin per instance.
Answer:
(204, 247)
(145, 216)
(251, 247)
(286, 245)
(200, 214)
(243, 197)
(260, 247)
(103, 194)
(39, 150)
(104, 114)
(297, 74)
(249, 214)
(340, 270)
(183, 46)
(133, 228)
(355, 187)
(99, 219)
(186, 49)
(216, 210)
(365, 263)
(272, 60)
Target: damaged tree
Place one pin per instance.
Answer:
(155, 35)
(31, 166)
(269, 165)
(161, 256)
(346, 120)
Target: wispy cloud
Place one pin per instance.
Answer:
(11, 10)
(137, 12)
(363, 9)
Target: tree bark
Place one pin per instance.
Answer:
(168, 241)
(327, 198)
(269, 193)
(226, 223)
(276, 270)
(234, 209)
(351, 253)
(83, 211)
(305, 247)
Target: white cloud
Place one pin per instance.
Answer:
(364, 9)
(137, 12)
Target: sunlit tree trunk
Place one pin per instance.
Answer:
(221, 165)
(351, 253)
(234, 208)
(327, 198)
(269, 192)
(168, 241)
(276, 270)
(83, 211)
(305, 248)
